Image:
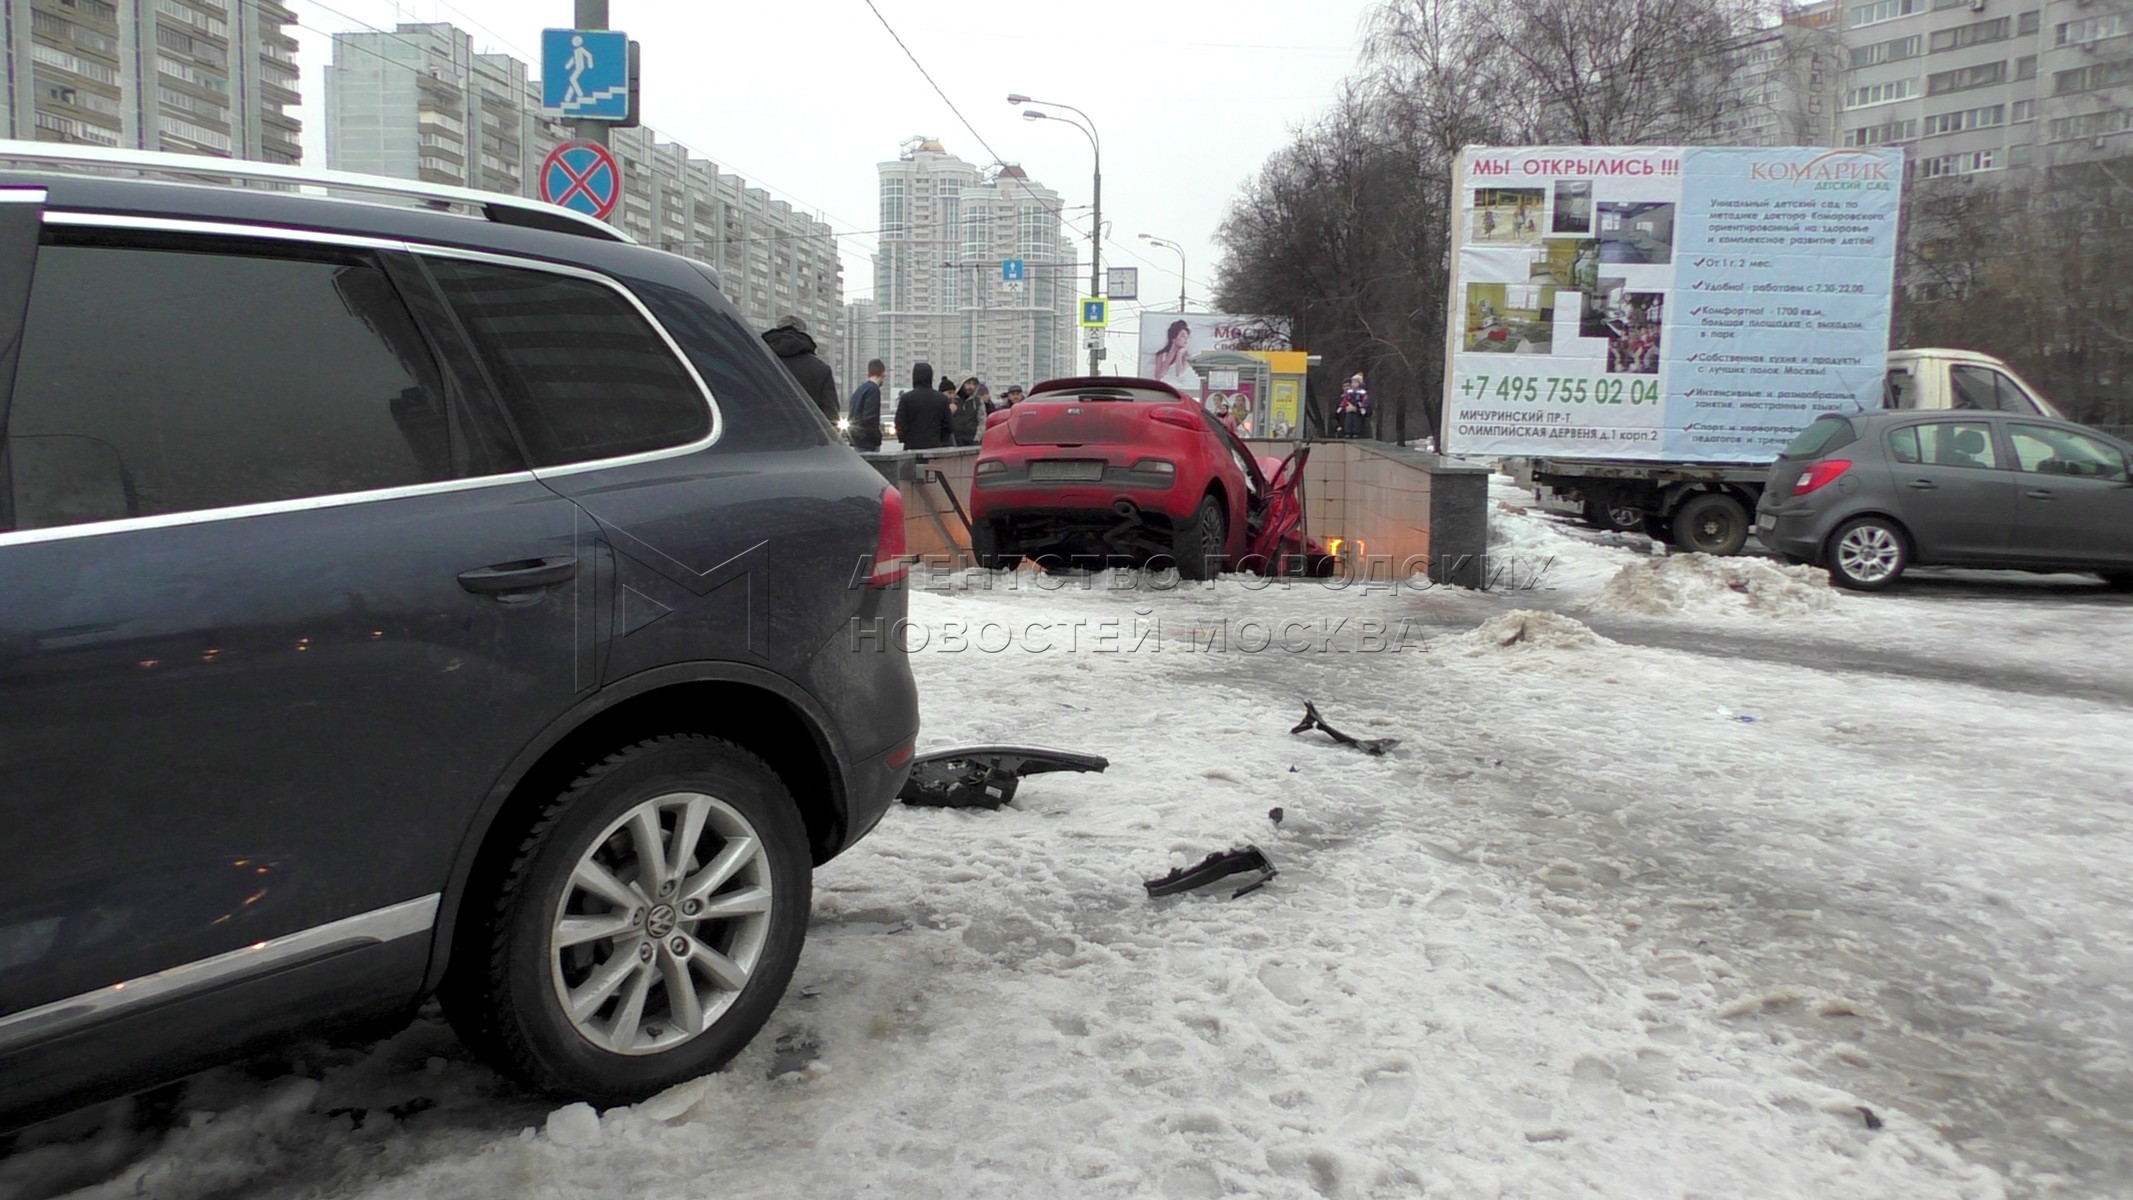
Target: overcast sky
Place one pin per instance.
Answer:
(804, 97)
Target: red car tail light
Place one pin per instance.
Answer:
(1821, 475)
(1175, 416)
(890, 568)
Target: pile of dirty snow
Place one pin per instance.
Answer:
(1701, 585)
(1527, 629)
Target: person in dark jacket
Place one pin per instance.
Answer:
(865, 409)
(922, 414)
(797, 351)
(970, 413)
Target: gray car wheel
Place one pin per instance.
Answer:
(645, 927)
(1867, 554)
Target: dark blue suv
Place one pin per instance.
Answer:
(403, 599)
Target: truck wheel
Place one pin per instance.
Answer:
(1202, 543)
(985, 548)
(1868, 554)
(1713, 523)
(1606, 508)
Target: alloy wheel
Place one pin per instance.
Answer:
(1869, 553)
(663, 921)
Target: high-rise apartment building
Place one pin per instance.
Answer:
(417, 102)
(1967, 87)
(939, 295)
(1784, 81)
(1979, 86)
(862, 341)
(190, 76)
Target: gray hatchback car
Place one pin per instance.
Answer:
(1868, 495)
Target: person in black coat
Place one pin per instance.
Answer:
(970, 413)
(922, 421)
(865, 409)
(797, 351)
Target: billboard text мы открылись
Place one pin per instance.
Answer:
(1689, 304)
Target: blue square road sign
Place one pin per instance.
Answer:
(1095, 312)
(1012, 270)
(585, 73)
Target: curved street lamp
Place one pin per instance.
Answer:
(1167, 244)
(1096, 225)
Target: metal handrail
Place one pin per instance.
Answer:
(193, 168)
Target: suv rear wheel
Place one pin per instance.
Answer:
(1203, 542)
(645, 926)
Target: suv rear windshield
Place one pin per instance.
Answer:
(1825, 434)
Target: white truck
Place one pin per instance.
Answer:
(1708, 507)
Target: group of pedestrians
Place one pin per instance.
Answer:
(930, 417)
(927, 417)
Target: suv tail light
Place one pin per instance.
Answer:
(890, 568)
(1820, 475)
(1175, 416)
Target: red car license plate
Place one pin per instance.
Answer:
(1079, 470)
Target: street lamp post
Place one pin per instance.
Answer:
(1096, 198)
(1167, 244)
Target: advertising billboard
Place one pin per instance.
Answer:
(1684, 304)
(1169, 340)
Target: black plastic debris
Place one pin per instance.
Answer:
(1372, 746)
(1873, 1119)
(1274, 815)
(985, 776)
(1216, 867)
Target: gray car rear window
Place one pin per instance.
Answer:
(1824, 434)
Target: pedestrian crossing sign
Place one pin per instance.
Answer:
(585, 74)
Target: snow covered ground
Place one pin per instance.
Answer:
(1696, 881)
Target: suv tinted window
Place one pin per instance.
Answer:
(178, 376)
(758, 406)
(584, 375)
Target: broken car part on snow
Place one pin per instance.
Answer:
(1217, 866)
(985, 776)
(1373, 746)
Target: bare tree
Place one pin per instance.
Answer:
(2037, 272)
(1347, 230)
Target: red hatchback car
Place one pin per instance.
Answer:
(1114, 469)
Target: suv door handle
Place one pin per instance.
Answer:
(2039, 493)
(1923, 485)
(524, 575)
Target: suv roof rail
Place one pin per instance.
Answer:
(499, 207)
